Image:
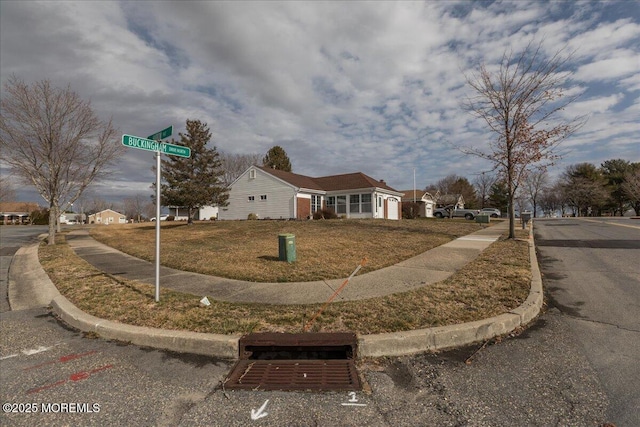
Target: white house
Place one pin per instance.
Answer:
(424, 199)
(275, 194)
(204, 213)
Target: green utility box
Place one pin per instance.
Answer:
(287, 247)
(483, 219)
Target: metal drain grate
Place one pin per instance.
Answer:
(309, 361)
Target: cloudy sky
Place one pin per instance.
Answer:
(374, 87)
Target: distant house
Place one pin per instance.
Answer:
(106, 217)
(425, 201)
(204, 213)
(17, 212)
(71, 218)
(275, 194)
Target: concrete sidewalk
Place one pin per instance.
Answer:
(28, 284)
(429, 267)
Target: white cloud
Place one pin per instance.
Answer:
(342, 86)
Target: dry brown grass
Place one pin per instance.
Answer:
(497, 281)
(248, 250)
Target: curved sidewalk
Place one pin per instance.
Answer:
(429, 267)
(226, 346)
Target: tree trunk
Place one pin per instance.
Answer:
(52, 225)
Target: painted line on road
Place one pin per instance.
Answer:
(29, 352)
(9, 356)
(613, 223)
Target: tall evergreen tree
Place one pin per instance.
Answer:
(499, 196)
(277, 158)
(196, 181)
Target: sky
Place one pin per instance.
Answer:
(375, 87)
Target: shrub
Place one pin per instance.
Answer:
(410, 210)
(252, 216)
(171, 218)
(325, 214)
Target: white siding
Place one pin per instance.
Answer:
(279, 203)
(208, 212)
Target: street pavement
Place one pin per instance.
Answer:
(540, 377)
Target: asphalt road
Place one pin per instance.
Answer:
(591, 271)
(541, 377)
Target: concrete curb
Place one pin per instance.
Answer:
(226, 346)
(446, 337)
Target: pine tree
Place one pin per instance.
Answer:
(277, 158)
(196, 181)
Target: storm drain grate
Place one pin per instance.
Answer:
(309, 361)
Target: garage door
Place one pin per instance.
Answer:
(392, 208)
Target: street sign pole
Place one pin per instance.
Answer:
(152, 143)
(158, 226)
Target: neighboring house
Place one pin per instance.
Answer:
(425, 201)
(275, 194)
(71, 218)
(204, 213)
(106, 217)
(17, 212)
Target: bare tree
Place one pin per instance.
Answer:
(235, 164)
(551, 199)
(53, 140)
(134, 207)
(535, 183)
(519, 103)
(631, 187)
(483, 184)
(7, 190)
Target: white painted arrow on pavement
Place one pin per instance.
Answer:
(256, 415)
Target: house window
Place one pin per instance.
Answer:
(360, 203)
(263, 197)
(316, 203)
(365, 203)
(341, 204)
(251, 198)
(331, 203)
(252, 174)
(354, 203)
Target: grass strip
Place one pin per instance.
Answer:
(495, 282)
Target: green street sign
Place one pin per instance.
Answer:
(164, 133)
(151, 145)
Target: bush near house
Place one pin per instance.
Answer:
(325, 214)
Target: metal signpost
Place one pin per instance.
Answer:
(152, 143)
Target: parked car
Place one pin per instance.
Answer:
(162, 218)
(451, 211)
(492, 212)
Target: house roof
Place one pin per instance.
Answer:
(349, 181)
(419, 195)
(294, 179)
(106, 210)
(18, 207)
(412, 195)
